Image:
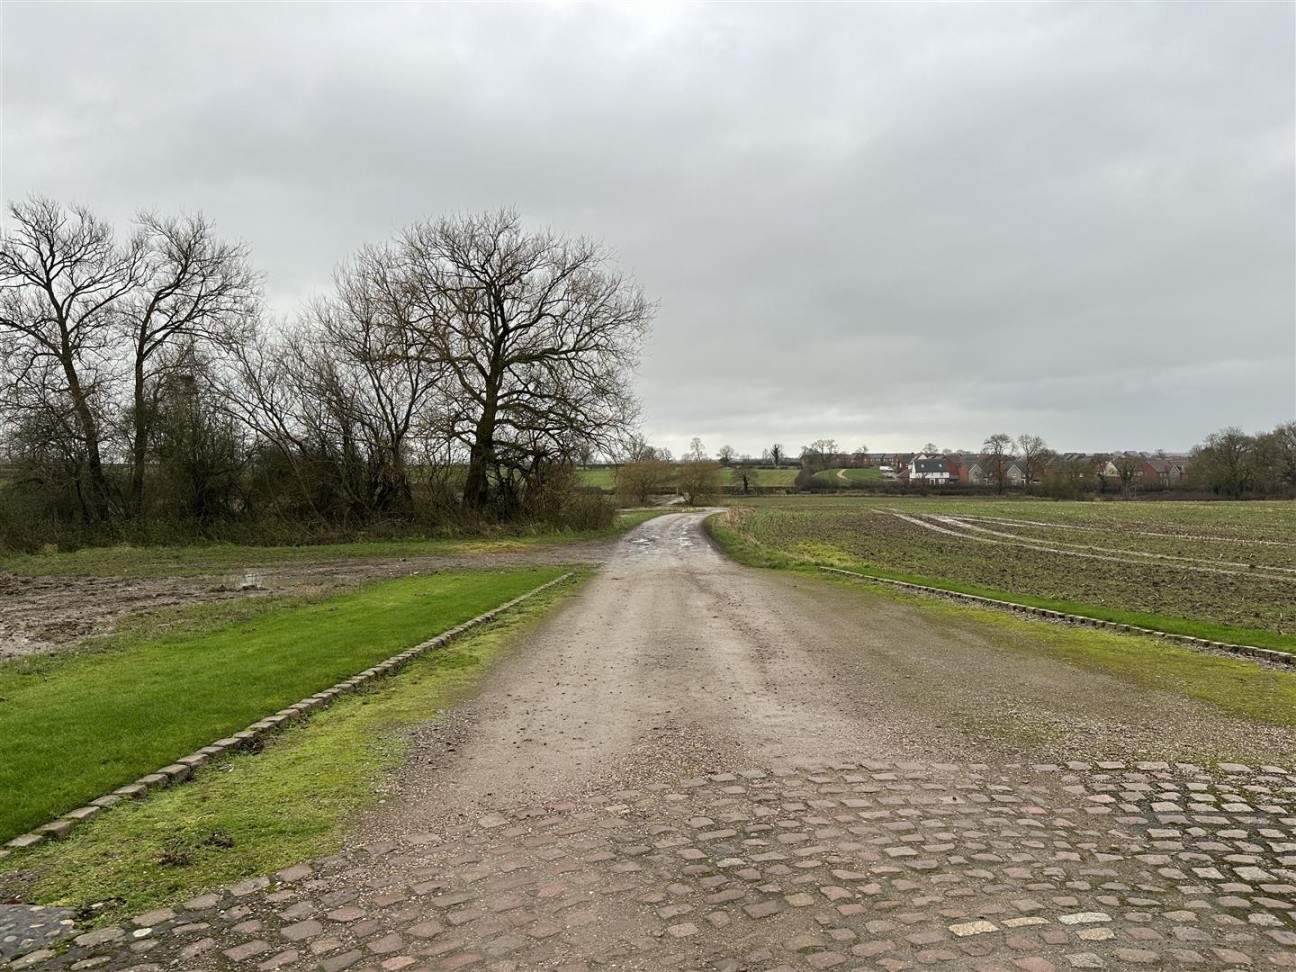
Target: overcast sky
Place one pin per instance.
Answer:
(885, 224)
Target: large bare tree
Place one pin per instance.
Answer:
(538, 335)
(192, 287)
(63, 280)
(90, 323)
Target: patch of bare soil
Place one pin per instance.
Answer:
(41, 614)
(38, 614)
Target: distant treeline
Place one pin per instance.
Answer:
(450, 381)
(1229, 464)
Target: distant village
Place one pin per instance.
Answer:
(1229, 463)
(1120, 470)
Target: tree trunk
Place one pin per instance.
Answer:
(98, 500)
(139, 443)
(477, 485)
(477, 489)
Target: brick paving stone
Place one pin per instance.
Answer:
(241, 953)
(825, 960)
(1140, 956)
(1085, 960)
(280, 960)
(343, 961)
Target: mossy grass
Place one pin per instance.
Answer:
(218, 558)
(251, 815)
(75, 726)
(806, 556)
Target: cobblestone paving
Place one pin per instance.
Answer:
(849, 866)
(27, 927)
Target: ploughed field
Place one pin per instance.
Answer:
(1224, 571)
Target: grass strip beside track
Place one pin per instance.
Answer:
(747, 551)
(249, 815)
(80, 725)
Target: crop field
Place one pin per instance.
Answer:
(1223, 571)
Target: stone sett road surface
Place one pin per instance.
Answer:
(788, 863)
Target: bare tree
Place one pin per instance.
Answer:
(632, 447)
(995, 459)
(537, 333)
(698, 480)
(1035, 455)
(366, 328)
(108, 314)
(777, 454)
(63, 278)
(726, 455)
(637, 481)
(191, 287)
(819, 455)
(697, 451)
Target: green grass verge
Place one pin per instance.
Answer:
(216, 558)
(77, 725)
(835, 477)
(254, 814)
(747, 551)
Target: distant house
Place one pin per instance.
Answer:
(965, 468)
(1163, 473)
(930, 469)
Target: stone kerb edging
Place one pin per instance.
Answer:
(1249, 651)
(184, 767)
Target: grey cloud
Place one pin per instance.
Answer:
(887, 223)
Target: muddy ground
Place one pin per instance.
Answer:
(41, 614)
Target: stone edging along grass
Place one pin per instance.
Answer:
(1250, 651)
(184, 767)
